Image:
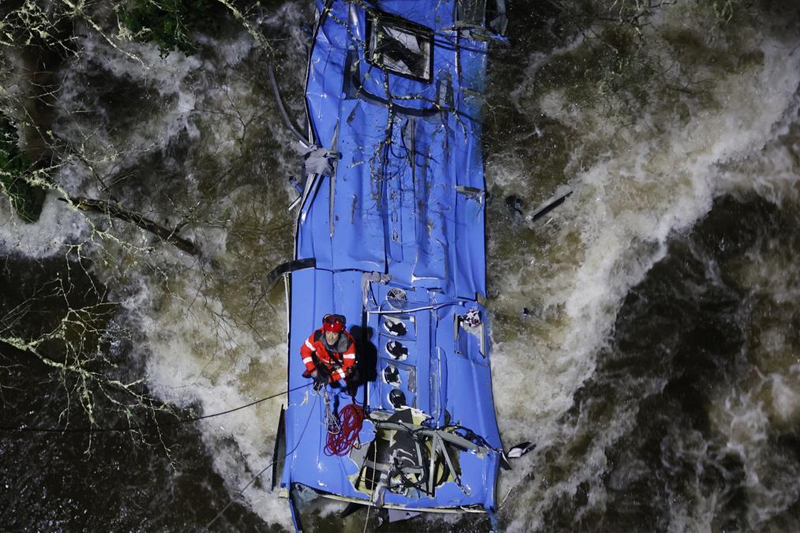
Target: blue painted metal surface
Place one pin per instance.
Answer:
(406, 200)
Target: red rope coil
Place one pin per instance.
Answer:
(351, 419)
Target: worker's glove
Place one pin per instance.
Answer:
(319, 380)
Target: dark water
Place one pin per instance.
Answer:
(657, 363)
(153, 480)
(683, 337)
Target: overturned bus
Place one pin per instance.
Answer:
(390, 234)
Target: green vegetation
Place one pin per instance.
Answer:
(26, 199)
(168, 23)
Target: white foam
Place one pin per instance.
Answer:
(772, 484)
(205, 342)
(171, 77)
(57, 229)
(654, 178)
(786, 398)
(198, 354)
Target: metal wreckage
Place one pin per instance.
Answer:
(390, 234)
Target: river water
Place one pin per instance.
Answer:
(644, 334)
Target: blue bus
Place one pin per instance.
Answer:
(390, 240)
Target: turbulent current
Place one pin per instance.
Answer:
(645, 334)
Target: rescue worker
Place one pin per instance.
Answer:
(330, 352)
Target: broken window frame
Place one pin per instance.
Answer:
(376, 22)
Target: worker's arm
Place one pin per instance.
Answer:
(307, 351)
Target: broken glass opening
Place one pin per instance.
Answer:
(400, 46)
(392, 375)
(397, 398)
(395, 327)
(397, 350)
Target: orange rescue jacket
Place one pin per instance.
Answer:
(338, 360)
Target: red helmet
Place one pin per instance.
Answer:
(333, 323)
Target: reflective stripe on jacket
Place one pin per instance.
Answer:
(337, 359)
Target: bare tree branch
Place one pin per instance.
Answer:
(115, 210)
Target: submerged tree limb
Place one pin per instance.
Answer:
(117, 211)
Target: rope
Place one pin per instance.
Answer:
(290, 452)
(40, 429)
(332, 424)
(351, 419)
